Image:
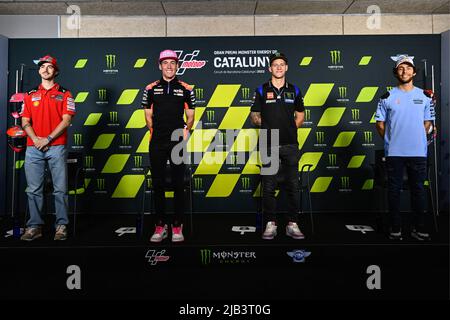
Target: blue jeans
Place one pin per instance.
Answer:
(35, 161)
(416, 169)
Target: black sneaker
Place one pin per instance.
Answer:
(420, 235)
(395, 234)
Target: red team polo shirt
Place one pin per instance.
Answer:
(45, 109)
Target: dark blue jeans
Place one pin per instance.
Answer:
(416, 169)
(289, 157)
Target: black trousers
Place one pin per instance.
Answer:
(159, 153)
(289, 155)
(416, 168)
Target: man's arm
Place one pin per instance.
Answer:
(60, 128)
(299, 118)
(149, 118)
(255, 117)
(428, 124)
(190, 115)
(380, 128)
(26, 125)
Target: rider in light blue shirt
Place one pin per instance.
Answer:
(404, 113)
(404, 117)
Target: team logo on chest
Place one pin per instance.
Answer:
(58, 97)
(270, 95)
(158, 91)
(289, 97)
(178, 92)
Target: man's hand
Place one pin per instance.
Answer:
(41, 143)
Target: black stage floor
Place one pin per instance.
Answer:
(216, 262)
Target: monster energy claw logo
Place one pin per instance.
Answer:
(307, 114)
(205, 256)
(198, 93)
(149, 183)
(234, 158)
(100, 184)
(125, 137)
(88, 161)
(210, 115)
(245, 93)
(101, 94)
(368, 136)
(332, 159)
(78, 139)
(389, 88)
(138, 161)
(113, 116)
(245, 183)
(342, 92)
(110, 61)
(345, 182)
(198, 183)
(320, 137)
(335, 56)
(221, 137)
(355, 114)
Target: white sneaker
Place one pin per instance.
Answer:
(293, 231)
(177, 234)
(160, 234)
(271, 231)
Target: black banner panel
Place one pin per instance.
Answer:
(341, 78)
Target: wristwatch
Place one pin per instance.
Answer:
(49, 138)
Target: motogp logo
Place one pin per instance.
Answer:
(187, 61)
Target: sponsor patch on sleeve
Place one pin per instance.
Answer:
(70, 105)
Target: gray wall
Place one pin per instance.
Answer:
(104, 26)
(3, 115)
(13, 26)
(445, 121)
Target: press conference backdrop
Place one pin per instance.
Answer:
(341, 78)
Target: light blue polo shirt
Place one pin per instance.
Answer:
(404, 114)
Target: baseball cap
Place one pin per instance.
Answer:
(48, 59)
(278, 55)
(168, 54)
(403, 58)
